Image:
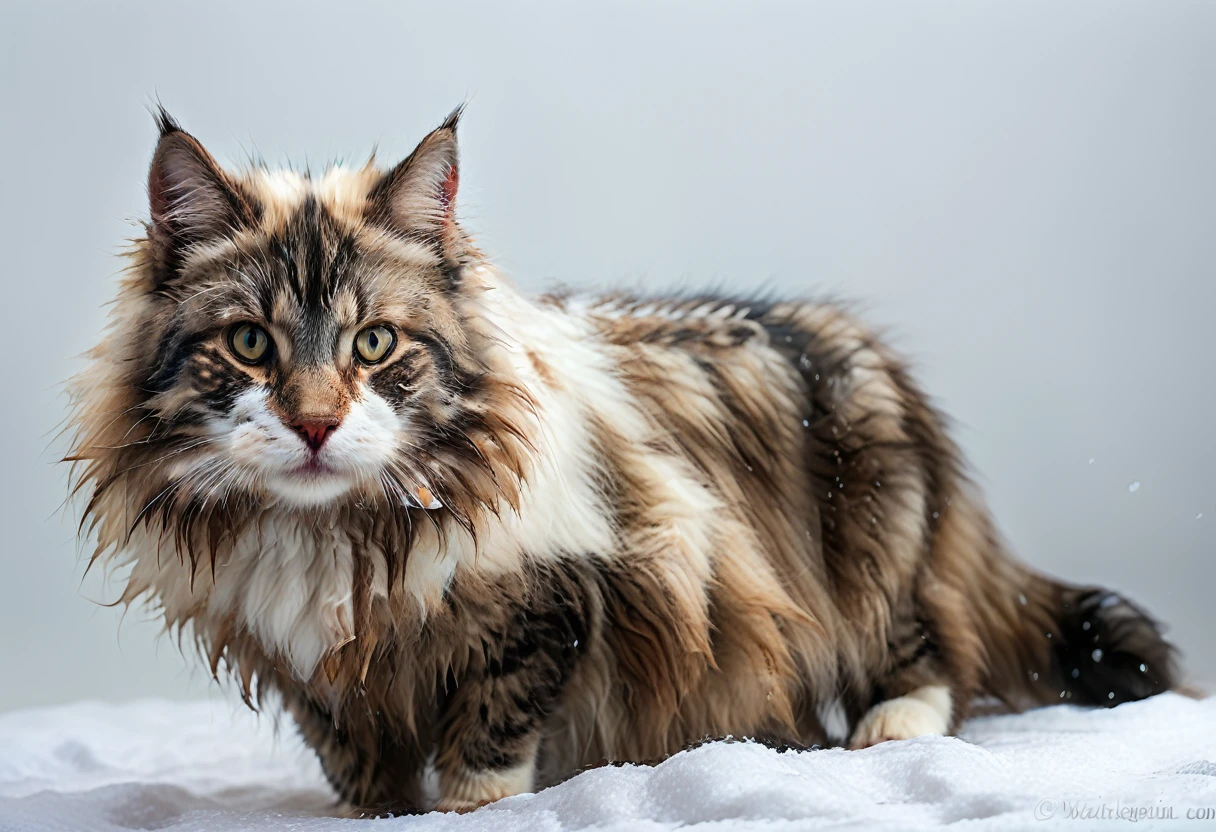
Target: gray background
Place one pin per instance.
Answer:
(1025, 192)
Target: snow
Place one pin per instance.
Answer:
(206, 767)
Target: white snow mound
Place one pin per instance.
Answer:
(206, 767)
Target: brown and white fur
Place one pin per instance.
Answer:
(654, 520)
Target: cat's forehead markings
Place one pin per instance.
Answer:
(395, 252)
(280, 193)
(284, 312)
(343, 191)
(345, 307)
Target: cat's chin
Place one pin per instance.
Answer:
(311, 490)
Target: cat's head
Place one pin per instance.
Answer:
(292, 341)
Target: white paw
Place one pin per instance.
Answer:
(466, 791)
(923, 711)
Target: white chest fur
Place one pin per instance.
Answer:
(289, 581)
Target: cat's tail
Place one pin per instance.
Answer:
(1052, 642)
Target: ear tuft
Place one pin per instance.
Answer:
(453, 119)
(165, 123)
(417, 198)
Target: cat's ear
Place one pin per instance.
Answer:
(191, 199)
(417, 198)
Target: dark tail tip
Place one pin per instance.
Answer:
(1110, 651)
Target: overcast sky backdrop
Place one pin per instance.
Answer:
(1025, 192)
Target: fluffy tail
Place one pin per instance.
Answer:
(1056, 643)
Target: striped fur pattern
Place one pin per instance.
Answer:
(651, 520)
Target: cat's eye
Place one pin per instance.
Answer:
(250, 343)
(374, 343)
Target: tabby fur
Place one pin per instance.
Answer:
(662, 519)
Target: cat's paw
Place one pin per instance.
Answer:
(466, 791)
(923, 711)
(391, 810)
(459, 806)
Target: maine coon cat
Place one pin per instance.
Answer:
(509, 537)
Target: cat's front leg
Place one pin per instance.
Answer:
(466, 786)
(491, 733)
(373, 769)
(491, 722)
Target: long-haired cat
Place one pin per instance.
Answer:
(452, 525)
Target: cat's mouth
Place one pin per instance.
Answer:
(311, 483)
(314, 468)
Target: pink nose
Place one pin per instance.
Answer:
(315, 431)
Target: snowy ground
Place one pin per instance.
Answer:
(204, 767)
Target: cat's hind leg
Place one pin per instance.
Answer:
(928, 680)
(925, 710)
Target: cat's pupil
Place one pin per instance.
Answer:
(372, 341)
(251, 340)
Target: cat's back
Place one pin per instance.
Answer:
(763, 366)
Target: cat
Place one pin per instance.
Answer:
(454, 527)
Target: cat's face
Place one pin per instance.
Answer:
(311, 362)
(299, 341)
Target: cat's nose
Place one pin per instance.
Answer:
(314, 430)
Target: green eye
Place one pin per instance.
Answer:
(250, 343)
(374, 343)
